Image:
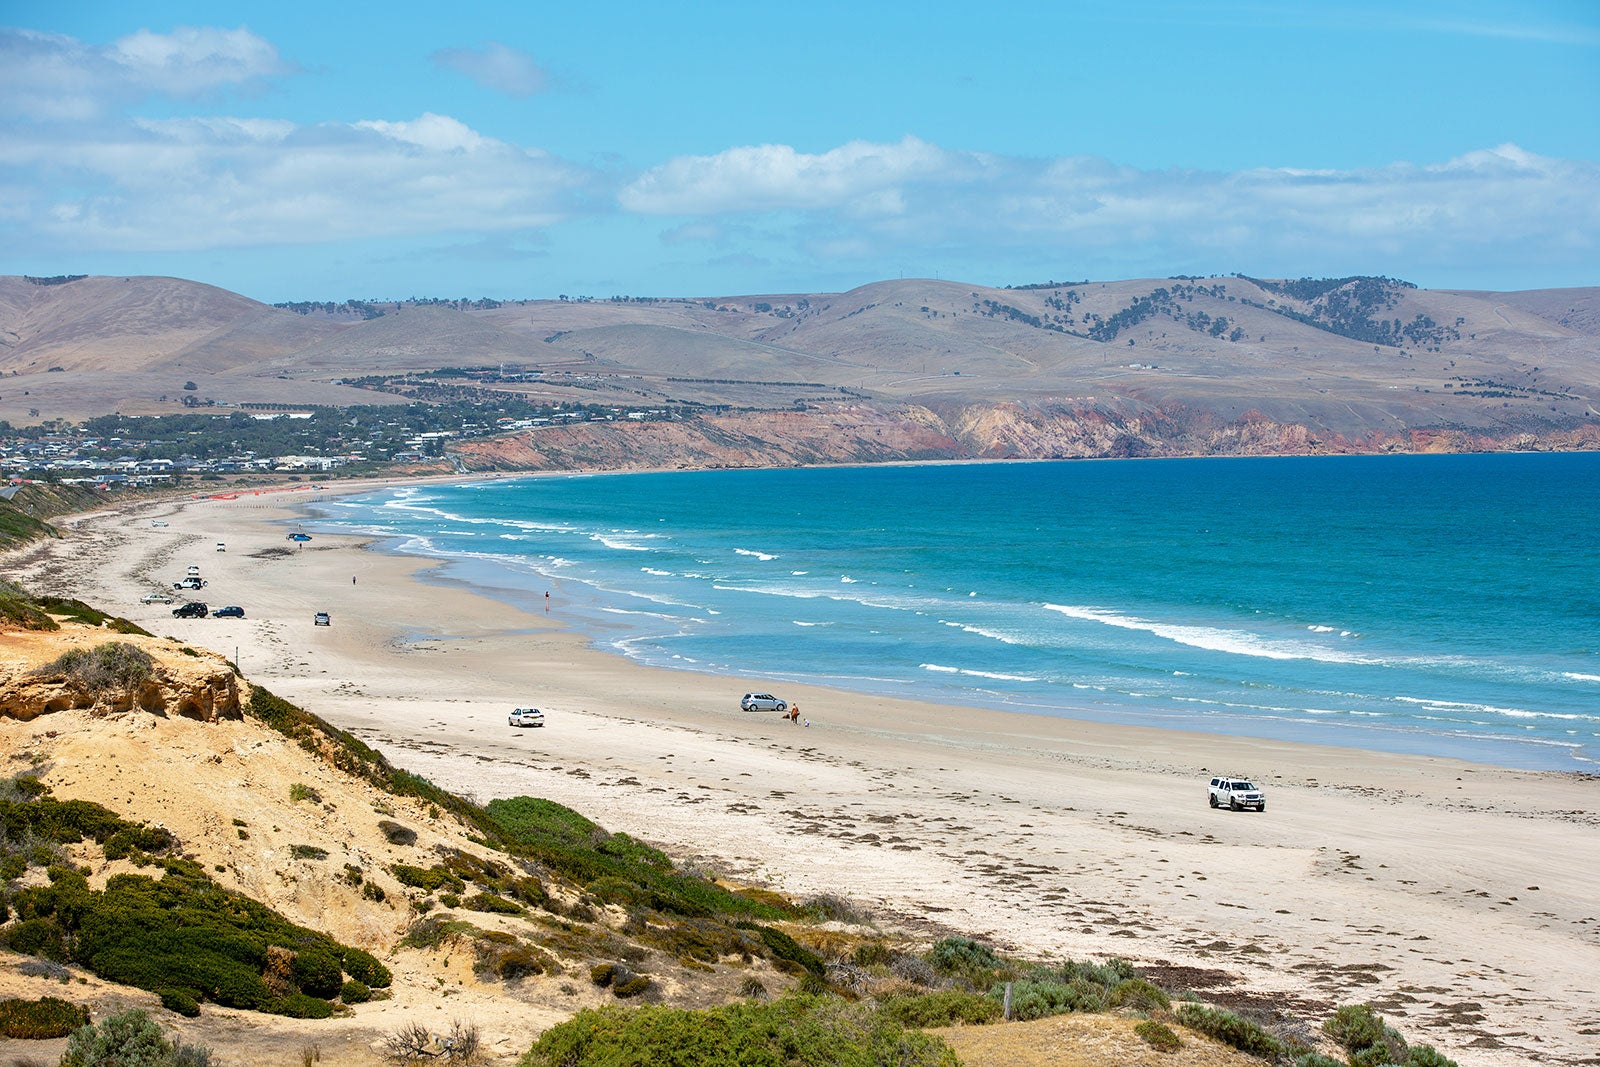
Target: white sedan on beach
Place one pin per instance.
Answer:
(155, 598)
(526, 717)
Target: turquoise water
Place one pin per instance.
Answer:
(1445, 605)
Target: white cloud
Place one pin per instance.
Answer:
(776, 177)
(185, 184)
(499, 67)
(190, 61)
(436, 133)
(49, 77)
(913, 198)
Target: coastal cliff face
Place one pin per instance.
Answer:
(35, 679)
(1015, 430)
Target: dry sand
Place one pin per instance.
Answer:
(1459, 898)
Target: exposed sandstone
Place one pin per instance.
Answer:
(182, 682)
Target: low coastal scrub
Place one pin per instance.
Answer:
(178, 935)
(22, 518)
(47, 1017)
(615, 867)
(130, 1039)
(1230, 1029)
(24, 611)
(791, 1030)
(1371, 1042)
(35, 825)
(114, 666)
(187, 939)
(78, 611)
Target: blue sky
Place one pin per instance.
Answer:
(325, 151)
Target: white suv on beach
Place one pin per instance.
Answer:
(762, 702)
(1236, 794)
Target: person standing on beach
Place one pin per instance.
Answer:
(794, 713)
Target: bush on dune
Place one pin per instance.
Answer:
(793, 1030)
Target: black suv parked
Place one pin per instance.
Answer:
(192, 610)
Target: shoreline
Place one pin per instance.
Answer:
(1422, 884)
(515, 581)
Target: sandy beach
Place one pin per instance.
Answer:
(1459, 899)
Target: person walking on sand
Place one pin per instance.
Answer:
(794, 713)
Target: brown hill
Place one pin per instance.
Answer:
(1352, 358)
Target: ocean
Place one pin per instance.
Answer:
(1438, 605)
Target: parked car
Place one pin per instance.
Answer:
(155, 598)
(232, 611)
(526, 717)
(158, 522)
(321, 618)
(191, 582)
(192, 610)
(222, 546)
(762, 702)
(1235, 794)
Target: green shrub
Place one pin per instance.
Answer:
(180, 1001)
(946, 1007)
(114, 666)
(301, 1006)
(396, 834)
(78, 611)
(631, 987)
(427, 879)
(492, 902)
(504, 957)
(317, 973)
(354, 992)
(1108, 974)
(1364, 1035)
(611, 889)
(308, 852)
(141, 838)
(1230, 1029)
(364, 967)
(962, 954)
(788, 950)
(1138, 995)
(871, 953)
(37, 937)
(300, 791)
(1316, 1059)
(1039, 1000)
(793, 1030)
(33, 1020)
(129, 1039)
(180, 932)
(1427, 1056)
(1354, 1027)
(1158, 1036)
(568, 844)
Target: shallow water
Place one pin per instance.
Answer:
(1445, 605)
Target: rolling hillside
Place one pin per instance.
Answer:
(1350, 358)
